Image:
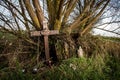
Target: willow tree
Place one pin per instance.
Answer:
(67, 16)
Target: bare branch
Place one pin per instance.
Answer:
(94, 19)
(39, 11)
(108, 31)
(32, 14)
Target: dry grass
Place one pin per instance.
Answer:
(16, 55)
(98, 45)
(18, 52)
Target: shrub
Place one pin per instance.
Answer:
(78, 69)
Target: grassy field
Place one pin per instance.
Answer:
(103, 62)
(71, 69)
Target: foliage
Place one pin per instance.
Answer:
(93, 45)
(112, 39)
(100, 63)
(97, 68)
(84, 69)
(15, 75)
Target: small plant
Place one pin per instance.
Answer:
(95, 68)
(77, 69)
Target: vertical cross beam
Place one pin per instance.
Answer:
(46, 42)
(46, 47)
(45, 32)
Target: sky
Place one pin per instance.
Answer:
(115, 10)
(109, 27)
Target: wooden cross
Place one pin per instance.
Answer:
(45, 32)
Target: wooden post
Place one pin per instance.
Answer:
(45, 32)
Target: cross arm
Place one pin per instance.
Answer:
(49, 32)
(44, 32)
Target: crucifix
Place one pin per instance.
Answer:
(45, 32)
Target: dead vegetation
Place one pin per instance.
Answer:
(18, 52)
(99, 45)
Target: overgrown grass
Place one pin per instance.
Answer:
(93, 45)
(16, 75)
(115, 39)
(97, 68)
(85, 69)
(7, 36)
(101, 63)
